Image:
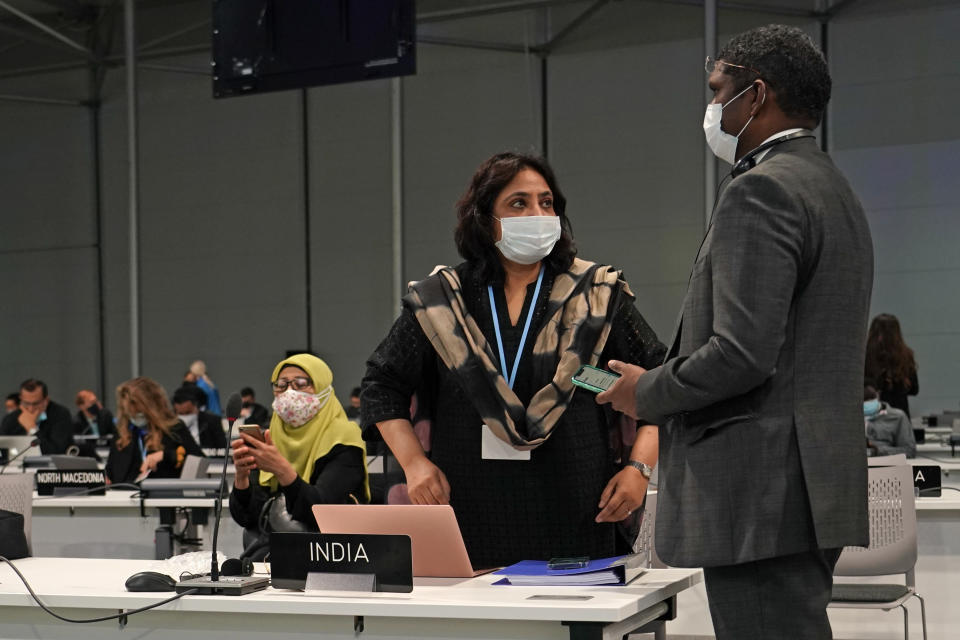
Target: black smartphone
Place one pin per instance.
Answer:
(594, 379)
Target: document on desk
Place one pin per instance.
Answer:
(619, 570)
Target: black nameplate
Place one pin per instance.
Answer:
(926, 478)
(337, 561)
(59, 482)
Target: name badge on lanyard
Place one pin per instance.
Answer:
(492, 447)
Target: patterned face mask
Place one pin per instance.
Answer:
(296, 408)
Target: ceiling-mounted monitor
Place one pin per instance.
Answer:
(272, 45)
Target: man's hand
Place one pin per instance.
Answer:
(622, 495)
(622, 394)
(426, 484)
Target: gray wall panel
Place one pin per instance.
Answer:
(351, 225)
(895, 137)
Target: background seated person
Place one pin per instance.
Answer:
(888, 429)
(149, 436)
(252, 412)
(311, 454)
(12, 402)
(204, 426)
(40, 416)
(92, 417)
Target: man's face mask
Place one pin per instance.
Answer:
(723, 145)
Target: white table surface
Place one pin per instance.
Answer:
(436, 607)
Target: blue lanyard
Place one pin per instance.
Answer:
(523, 338)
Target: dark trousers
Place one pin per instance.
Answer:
(783, 598)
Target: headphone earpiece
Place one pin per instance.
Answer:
(235, 567)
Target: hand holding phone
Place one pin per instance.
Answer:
(594, 379)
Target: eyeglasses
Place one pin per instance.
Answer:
(711, 64)
(31, 405)
(299, 384)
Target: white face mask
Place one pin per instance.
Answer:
(138, 420)
(528, 239)
(723, 145)
(297, 408)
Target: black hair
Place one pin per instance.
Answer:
(869, 392)
(31, 384)
(14, 396)
(788, 60)
(474, 231)
(189, 393)
(247, 391)
(355, 392)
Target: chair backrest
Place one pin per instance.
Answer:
(887, 461)
(16, 494)
(893, 526)
(644, 544)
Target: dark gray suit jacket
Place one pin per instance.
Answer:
(759, 400)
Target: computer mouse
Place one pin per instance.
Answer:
(150, 581)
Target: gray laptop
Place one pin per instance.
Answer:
(74, 463)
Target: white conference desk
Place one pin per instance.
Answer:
(111, 526)
(436, 609)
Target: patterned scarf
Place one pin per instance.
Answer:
(575, 329)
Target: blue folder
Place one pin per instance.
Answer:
(619, 570)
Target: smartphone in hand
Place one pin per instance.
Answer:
(594, 379)
(252, 430)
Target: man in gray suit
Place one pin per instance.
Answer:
(762, 467)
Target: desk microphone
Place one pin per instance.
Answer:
(233, 585)
(32, 444)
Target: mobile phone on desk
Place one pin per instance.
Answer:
(594, 379)
(558, 564)
(252, 430)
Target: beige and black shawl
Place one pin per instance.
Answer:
(580, 309)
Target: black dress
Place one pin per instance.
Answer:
(123, 465)
(510, 510)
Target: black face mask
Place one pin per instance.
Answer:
(93, 410)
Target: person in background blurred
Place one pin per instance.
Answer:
(353, 411)
(150, 438)
(888, 429)
(252, 412)
(197, 374)
(890, 366)
(12, 402)
(39, 415)
(92, 417)
(204, 427)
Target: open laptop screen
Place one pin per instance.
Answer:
(435, 540)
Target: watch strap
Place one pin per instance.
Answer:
(645, 470)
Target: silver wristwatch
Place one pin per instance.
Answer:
(645, 470)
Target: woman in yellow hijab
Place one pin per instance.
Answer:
(311, 454)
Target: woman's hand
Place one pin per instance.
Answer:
(243, 463)
(426, 484)
(623, 494)
(151, 461)
(267, 457)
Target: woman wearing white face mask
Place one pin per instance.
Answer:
(149, 438)
(527, 460)
(312, 454)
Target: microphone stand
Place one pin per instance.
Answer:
(228, 585)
